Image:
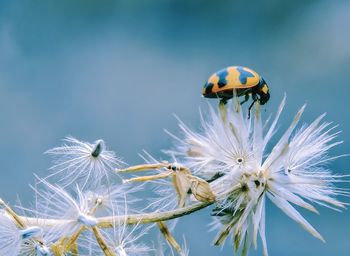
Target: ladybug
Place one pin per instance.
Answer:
(237, 81)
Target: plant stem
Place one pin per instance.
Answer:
(101, 242)
(132, 219)
(169, 237)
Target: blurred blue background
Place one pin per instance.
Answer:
(118, 70)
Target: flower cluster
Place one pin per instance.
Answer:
(86, 206)
(232, 154)
(69, 203)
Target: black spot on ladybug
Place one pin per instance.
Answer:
(244, 75)
(222, 78)
(209, 88)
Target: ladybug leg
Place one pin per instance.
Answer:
(250, 107)
(246, 98)
(223, 101)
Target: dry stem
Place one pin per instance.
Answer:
(132, 219)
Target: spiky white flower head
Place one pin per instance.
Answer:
(55, 202)
(35, 247)
(122, 244)
(123, 240)
(231, 153)
(110, 198)
(162, 251)
(87, 164)
(127, 244)
(12, 238)
(78, 209)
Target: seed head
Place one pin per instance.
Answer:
(231, 153)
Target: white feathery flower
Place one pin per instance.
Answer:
(161, 251)
(125, 241)
(12, 238)
(81, 209)
(214, 152)
(35, 248)
(83, 163)
(122, 239)
(111, 198)
(42, 244)
(55, 202)
(231, 153)
(125, 244)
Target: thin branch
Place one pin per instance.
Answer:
(101, 242)
(132, 219)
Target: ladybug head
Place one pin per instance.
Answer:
(264, 92)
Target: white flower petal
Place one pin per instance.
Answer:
(272, 128)
(262, 230)
(289, 196)
(280, 149)
(257, 218)
(289, 210)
